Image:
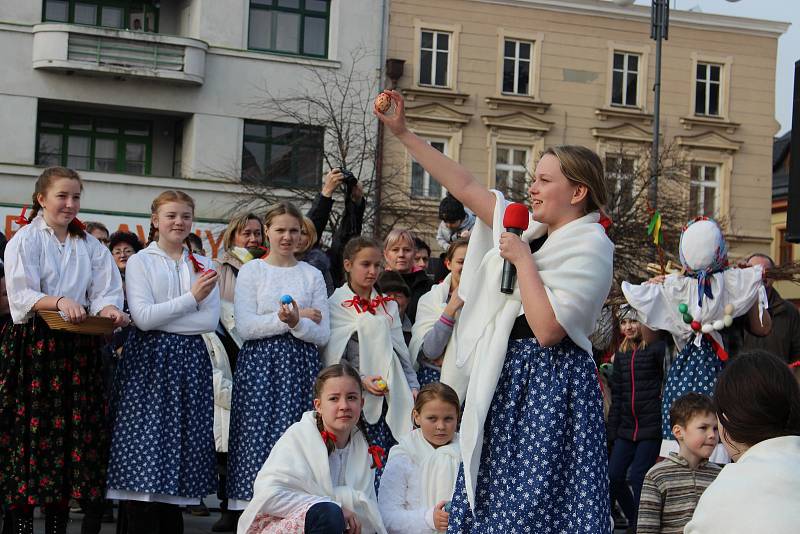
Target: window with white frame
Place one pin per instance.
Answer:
(704, 190)
(620, 175)
(707, 89)
(434, 58)
(517, 58)
(625, 79)
(511, 171)
(422, 184)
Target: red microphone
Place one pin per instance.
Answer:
(515, 220)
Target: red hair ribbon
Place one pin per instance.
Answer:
(381, 301)
(605, 221)
(794, 364)
(722, 354)
(198, 267)
(22, 220)
(77, 222)
(377, 453)
(327, 436)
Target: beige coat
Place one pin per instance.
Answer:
(227, 268)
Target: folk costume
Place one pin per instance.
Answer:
(433, 333)
(275, 372)
(533, 439)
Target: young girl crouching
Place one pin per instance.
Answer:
(421, 472)
(319, 476)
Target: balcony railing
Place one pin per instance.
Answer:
(104, 51)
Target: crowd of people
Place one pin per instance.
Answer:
(359, 388)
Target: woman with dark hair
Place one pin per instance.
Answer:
(758, 406)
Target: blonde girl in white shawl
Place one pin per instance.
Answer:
(319, 476)
(421, 472)
(366, 331)
(432, 339)
(532, 435)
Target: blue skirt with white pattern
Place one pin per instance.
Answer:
(273, 386)
(428, 375)
(544, 467)
(381, 435)
(163, 417)
(695, 369)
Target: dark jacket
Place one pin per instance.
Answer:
(636, 394)
(784, 339)
(419, 283)
(350, 226)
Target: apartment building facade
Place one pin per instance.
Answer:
(491, 83)
(146, 95)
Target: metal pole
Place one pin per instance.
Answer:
(659, 21)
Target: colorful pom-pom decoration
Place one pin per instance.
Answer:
(687, 318)
(727, 320)
(286, 299)
(696, 326)
(719, 324)
(728, 309)
(683, 308)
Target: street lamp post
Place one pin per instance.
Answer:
(659, 30)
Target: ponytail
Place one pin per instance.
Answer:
(153, 233)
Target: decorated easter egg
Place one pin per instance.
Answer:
(383, 102)
(381, 384)
(286, 299)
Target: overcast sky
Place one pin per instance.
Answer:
(788, 44)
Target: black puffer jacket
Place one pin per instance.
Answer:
(636, 394)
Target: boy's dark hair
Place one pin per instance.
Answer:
(451, 209)
(757, 398)
(419, 244)
(193, 240)
(688, 406)
(392, 282)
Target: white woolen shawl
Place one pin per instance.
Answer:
(380, 345)
(657, 304)
(429, 309)
(575, 264)
(438, 467)
(299, 463)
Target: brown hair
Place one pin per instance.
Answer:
(440, 391)
(307, 226)
(43, 183)
(688, 406)
(282, 208)
(236, 225)
(455, 245)
(337, 370)
(170, 195)
(629, 313)
(582, 166)
(757, 398)
(91, 226)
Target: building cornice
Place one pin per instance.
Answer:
(690, 19)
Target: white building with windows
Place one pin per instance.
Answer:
(491, 83)
(146, 95)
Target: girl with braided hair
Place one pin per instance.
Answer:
(162, 452)
(366, 332)
(53, 437)
(319, 475)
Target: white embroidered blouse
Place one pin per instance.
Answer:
(38, 265)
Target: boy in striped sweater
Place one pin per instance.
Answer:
(673, 486)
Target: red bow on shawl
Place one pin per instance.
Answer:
(363, 305)
(327, 436)
(377, 453)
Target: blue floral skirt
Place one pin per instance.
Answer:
(163, 417)
(428, 375)
(379, 434)
(544, 466)
(695, 369)
(273, 386)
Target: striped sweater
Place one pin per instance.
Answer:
(670, 493)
